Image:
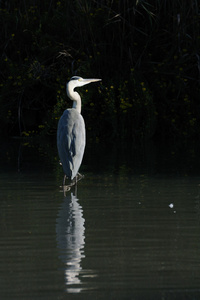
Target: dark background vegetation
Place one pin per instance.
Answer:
(146, 52)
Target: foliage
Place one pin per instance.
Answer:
(146, 52)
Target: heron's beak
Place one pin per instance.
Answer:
(89, 80)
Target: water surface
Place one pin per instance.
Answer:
(130, 230)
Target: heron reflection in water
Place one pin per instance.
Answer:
(70, 235)
(71, 131)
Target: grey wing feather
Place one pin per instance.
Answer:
(71, 141)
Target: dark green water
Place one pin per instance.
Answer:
(131, 229)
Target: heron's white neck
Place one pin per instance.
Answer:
(74, 96)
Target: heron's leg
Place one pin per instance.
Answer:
(79, 176)
(75, 189)
(64, 179)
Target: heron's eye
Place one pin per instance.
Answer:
(75, 78)
(79, 79)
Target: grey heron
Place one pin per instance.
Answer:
(71, 130)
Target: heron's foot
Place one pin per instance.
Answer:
(66, 188)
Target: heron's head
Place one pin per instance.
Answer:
(77, 81)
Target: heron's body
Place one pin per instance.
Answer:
(71, 141)
(71, 130)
